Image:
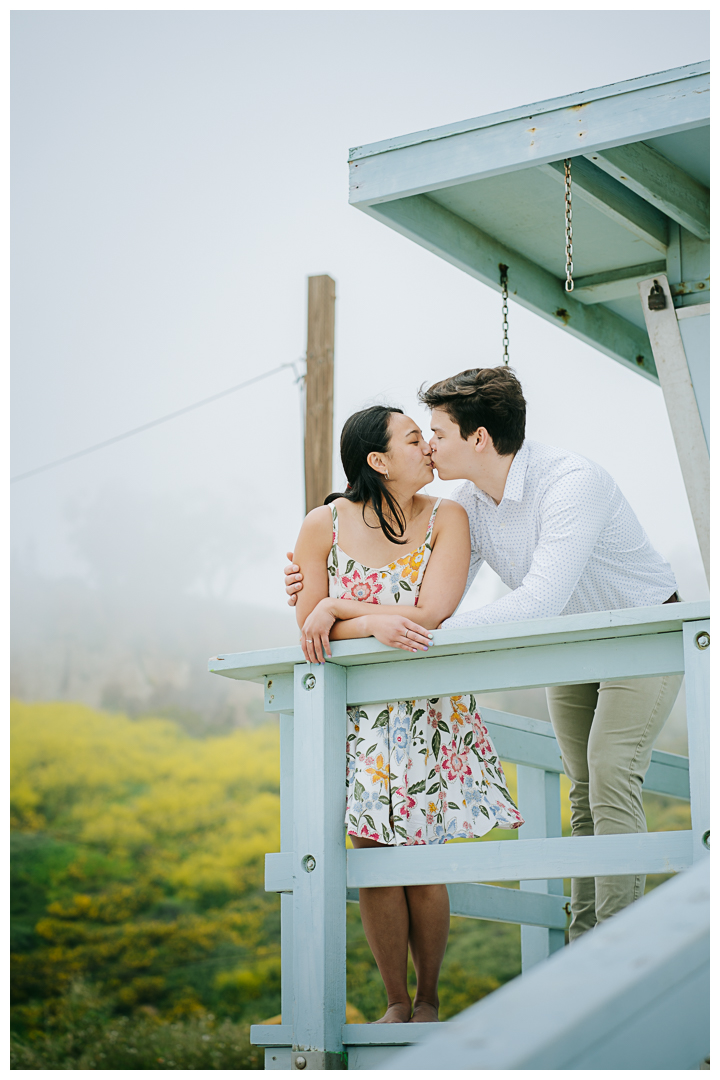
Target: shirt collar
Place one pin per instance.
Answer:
(515, 482)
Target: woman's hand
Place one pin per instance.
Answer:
(315, 634)
(399, 632)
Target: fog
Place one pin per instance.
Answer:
(176, 177)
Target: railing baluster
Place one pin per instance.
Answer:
(696, 640)
(319, 867)
(539, 802)
(287, 733)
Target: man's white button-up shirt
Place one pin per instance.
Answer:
(564, 538)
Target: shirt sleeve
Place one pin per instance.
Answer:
(572, 514)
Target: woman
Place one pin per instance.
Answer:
(418, 772)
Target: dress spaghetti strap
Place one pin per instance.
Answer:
(431, 523)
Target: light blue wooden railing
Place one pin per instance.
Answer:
(316, 875)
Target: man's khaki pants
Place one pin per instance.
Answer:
(606, 733)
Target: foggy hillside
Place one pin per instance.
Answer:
(159, 590)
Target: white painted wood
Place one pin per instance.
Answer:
(694, 325)
(280, 693)
(319, 833)
(663, 184)
(287, 799)
(567, 101)
(542, 665)
(589, 626)
(614, 284)
(697, 693)
(517, 860)
(279, 868)
(615, 201)
(631, 994)
(683, 411)
(539, 803)
(494, 145)
(277, 1057)
(668, 775)
(496, 904)
(373, 1057)
(692, 312)
(271, 1035)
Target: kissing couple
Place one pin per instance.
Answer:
(558, 531)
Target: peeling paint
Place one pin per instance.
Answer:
(640, 360)
(561, 313)
(577, 108)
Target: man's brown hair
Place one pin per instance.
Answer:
(483, 397)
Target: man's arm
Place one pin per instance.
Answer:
(572, 515)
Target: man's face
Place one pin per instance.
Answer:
(452, 456)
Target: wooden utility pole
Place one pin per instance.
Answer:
(319, 390)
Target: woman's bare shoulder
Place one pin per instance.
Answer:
(450, 512)
(317, 526)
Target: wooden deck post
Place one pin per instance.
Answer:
(287, 809)
(319, 390)
(696, 640)
(683, 408)
(539, 803)
(319, 868)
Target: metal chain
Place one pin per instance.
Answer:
(569, 283)
(505, 325)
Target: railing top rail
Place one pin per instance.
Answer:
(594, 625)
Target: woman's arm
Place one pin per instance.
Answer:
(444, 580)
(442, 589)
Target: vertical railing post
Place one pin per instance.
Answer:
(696, 642)
(287, 731)
(319, 867)
(539, 803)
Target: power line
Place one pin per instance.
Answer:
(154, 423)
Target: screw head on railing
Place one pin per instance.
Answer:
(309, 864)
(300, 1062)
(309, 682)
(702, 640)
(706, 839)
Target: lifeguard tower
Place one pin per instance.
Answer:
(497, 196)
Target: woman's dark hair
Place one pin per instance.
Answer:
(364, 433)
(483, 397)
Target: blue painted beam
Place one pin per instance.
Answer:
(496, 904)
(634, 994)
(590, 626)
(519, 860)
(476, 253)
(541, 665)
(531, 135)
(661, 183)
(613, 199)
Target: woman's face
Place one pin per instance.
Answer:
(407, 460)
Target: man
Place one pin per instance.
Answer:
(558, 531)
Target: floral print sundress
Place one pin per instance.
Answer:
(423, 771)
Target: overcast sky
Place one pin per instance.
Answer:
(176, 177)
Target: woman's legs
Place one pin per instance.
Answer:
(393, 918)
(429, 907)
(386, 922)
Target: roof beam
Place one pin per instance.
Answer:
(661, 183)
(614, 284)
(615, 200)
(458, 242)
(532, 135)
